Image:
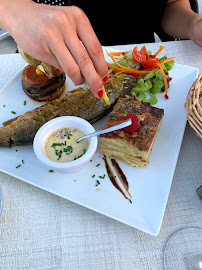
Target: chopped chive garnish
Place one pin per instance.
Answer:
(124, 111)
(25, 102)
(148, 129)
(130, 201)
(98, 183)
(113, 115)
(124, 138)
(140, 137)
(18, 166)
(59, 154)
(23, 162)
(4, 105)
(57, 144)
(110, 174)
(68, 150)
(137, 112)
(68, 136)
(98, 165)
(51, 171)
(13, 112)
(93, 175)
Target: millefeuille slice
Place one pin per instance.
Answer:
(134, 148)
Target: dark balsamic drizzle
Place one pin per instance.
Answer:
(121, 175)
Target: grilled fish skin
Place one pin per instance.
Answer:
(81, 102)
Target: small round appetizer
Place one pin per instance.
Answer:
(38, 86)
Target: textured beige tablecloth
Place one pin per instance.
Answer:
(39, 230)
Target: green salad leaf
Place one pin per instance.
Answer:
(150, 84)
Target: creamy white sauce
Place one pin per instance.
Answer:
(61, 145)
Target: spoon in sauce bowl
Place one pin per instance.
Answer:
(125, 123)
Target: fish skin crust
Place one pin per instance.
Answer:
(81, 103)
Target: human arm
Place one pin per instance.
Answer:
(53, 34)
(180, 21)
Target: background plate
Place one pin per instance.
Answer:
(149, 186)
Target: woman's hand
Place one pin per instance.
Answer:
(53, 34)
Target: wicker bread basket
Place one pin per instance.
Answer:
(193, 106)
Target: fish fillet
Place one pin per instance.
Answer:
(81, 102)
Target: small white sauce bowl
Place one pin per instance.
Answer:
(54, 124)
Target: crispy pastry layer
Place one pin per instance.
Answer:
(132, 148)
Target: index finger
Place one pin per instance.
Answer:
(91, 43)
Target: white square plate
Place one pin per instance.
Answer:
(149, 186)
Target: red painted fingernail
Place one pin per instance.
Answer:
(105, 78)
(100, 93)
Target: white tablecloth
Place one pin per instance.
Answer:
(39, 230)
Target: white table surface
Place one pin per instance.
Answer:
(39, 230)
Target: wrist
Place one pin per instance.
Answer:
(196, 30)
(8, 11)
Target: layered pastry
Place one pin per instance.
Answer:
(133, 144)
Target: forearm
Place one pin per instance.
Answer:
(7, 10)
(178, 19)
(2, 14)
